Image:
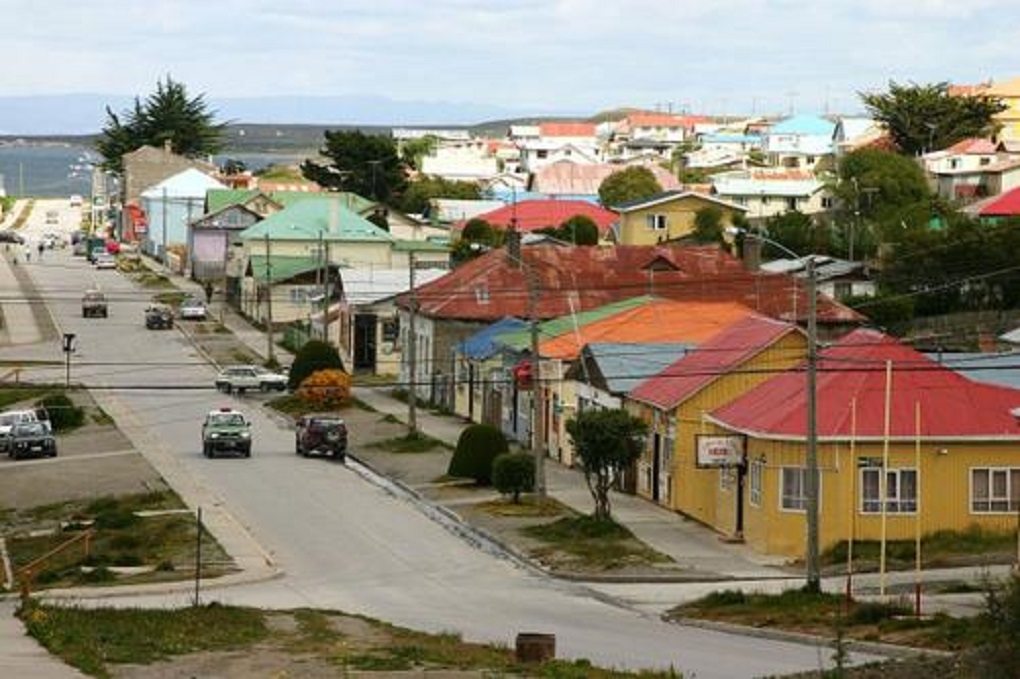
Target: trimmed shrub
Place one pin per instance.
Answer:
(328, 388)
(477, 447)
(63, 413)
(315, 355)
(513, 474)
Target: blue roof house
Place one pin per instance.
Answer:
(171, 206)
(799, 142)
(481, 373)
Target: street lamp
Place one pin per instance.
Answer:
(68, 349)
(811, 483)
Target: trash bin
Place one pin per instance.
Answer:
(532, 647)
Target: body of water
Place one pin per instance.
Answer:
(55, 170)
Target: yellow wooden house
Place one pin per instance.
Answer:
(667, 216)
(1008, 92)
(905, 446)
(674, 404)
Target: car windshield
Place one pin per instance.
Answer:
(227, 419)
(7, 419)
(327, 421)
(29, 429)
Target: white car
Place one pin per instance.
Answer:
(192, 309)
(104, 260)
(241, 378)
(10, 418)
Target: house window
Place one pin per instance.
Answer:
(827, 202)
(482, 294)
(541, 153)
(994, 489)
(900, 491)
(954, 163)
(656, 222)
(755, 472)
(842, 289)
(793, 488)
(985, 161)
(791, 203)
(810, 160)
(765, 200)
(391, 329)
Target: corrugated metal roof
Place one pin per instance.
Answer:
(492, 286)
(306, 219)
(805, 125)
(281, 268)
(483, 344)
(623, 366)
(656, 320)
(723, 352)
(1002, 368)
(531, 215)
(190, 183)
(669, 197)
(1006, 205)
(519, 340)
(854, 371)
(366, 286)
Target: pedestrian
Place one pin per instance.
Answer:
(40, 247)
(28, 254)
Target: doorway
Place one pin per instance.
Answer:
(365, 342)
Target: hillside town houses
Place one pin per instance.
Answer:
(706, 343)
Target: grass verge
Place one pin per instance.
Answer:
(591, 544)
(410, 443)
(97, 640)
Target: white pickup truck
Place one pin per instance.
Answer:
(241, 378)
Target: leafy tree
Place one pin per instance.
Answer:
(579, 230)
(632, 183)
(313, 356)
(795, 231)
(880, 193)
(420, 193)
(233, 166)
(607, 442)
(477, 447)
(364, 164)
(167, 115)
(708, 225)
(413, 150)
(927, 117)
(513, 474)
(1001, 616)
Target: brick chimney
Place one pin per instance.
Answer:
(513, 246)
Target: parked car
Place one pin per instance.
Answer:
(9, 419)
(95, 252)
(159, 317)
(104, 260)
(192, 309)
(93, 303)
(31, 439)
(76, 200)
(80, 249)
(241, 378)
(226, 431)
(321, 434)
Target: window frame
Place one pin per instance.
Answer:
(1011, 497)
(898, 505)
(755, 477)
(782, 491)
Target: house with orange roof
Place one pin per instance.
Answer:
(673, 470)
(572, 141)
(654, 323)
(905, 447)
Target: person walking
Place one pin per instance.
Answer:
(28, 253)
(40, 248)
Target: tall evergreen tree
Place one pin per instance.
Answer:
(367, 165)
(166, 115)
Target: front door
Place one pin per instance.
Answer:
(364, 342)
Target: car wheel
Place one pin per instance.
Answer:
(247, 452)
(53, 453)
(340, 457)
(227, 388)
(241, 390)
(206, 450)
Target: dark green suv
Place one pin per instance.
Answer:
(226, 431)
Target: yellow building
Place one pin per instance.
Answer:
(940, 449)
(674, 404)
(1008, 92)
(667, 216)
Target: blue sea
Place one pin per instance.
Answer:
(54, 170)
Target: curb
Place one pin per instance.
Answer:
(853, 645)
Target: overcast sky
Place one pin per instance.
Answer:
(571, 56)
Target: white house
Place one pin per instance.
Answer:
(768, 192)
(799, 142)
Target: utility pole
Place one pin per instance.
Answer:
(326, 299)
(412, 353)
(270, 351)
(537, 391)
(320, 285)
(811, 486)
(166, 261)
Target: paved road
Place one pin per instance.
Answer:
(342, 541)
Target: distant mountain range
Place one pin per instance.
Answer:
(84, 114)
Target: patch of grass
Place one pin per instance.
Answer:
(289, 404)
(243, 355)
(527, 507)
(16, 394)
(411, 443)
(100, 416)
(358, 403)
(91, 639)
(389, 418)
(592, 544)
(939, 548)
(157, 281)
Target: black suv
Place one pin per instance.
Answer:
(32, 439)
(159, 317)
(322, 434)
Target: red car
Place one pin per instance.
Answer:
(113, 247)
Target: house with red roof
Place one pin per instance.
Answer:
(674, 401)
(972, 169)
(548, 281)
(1001, 207)
(904, 445)
(532, 215)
